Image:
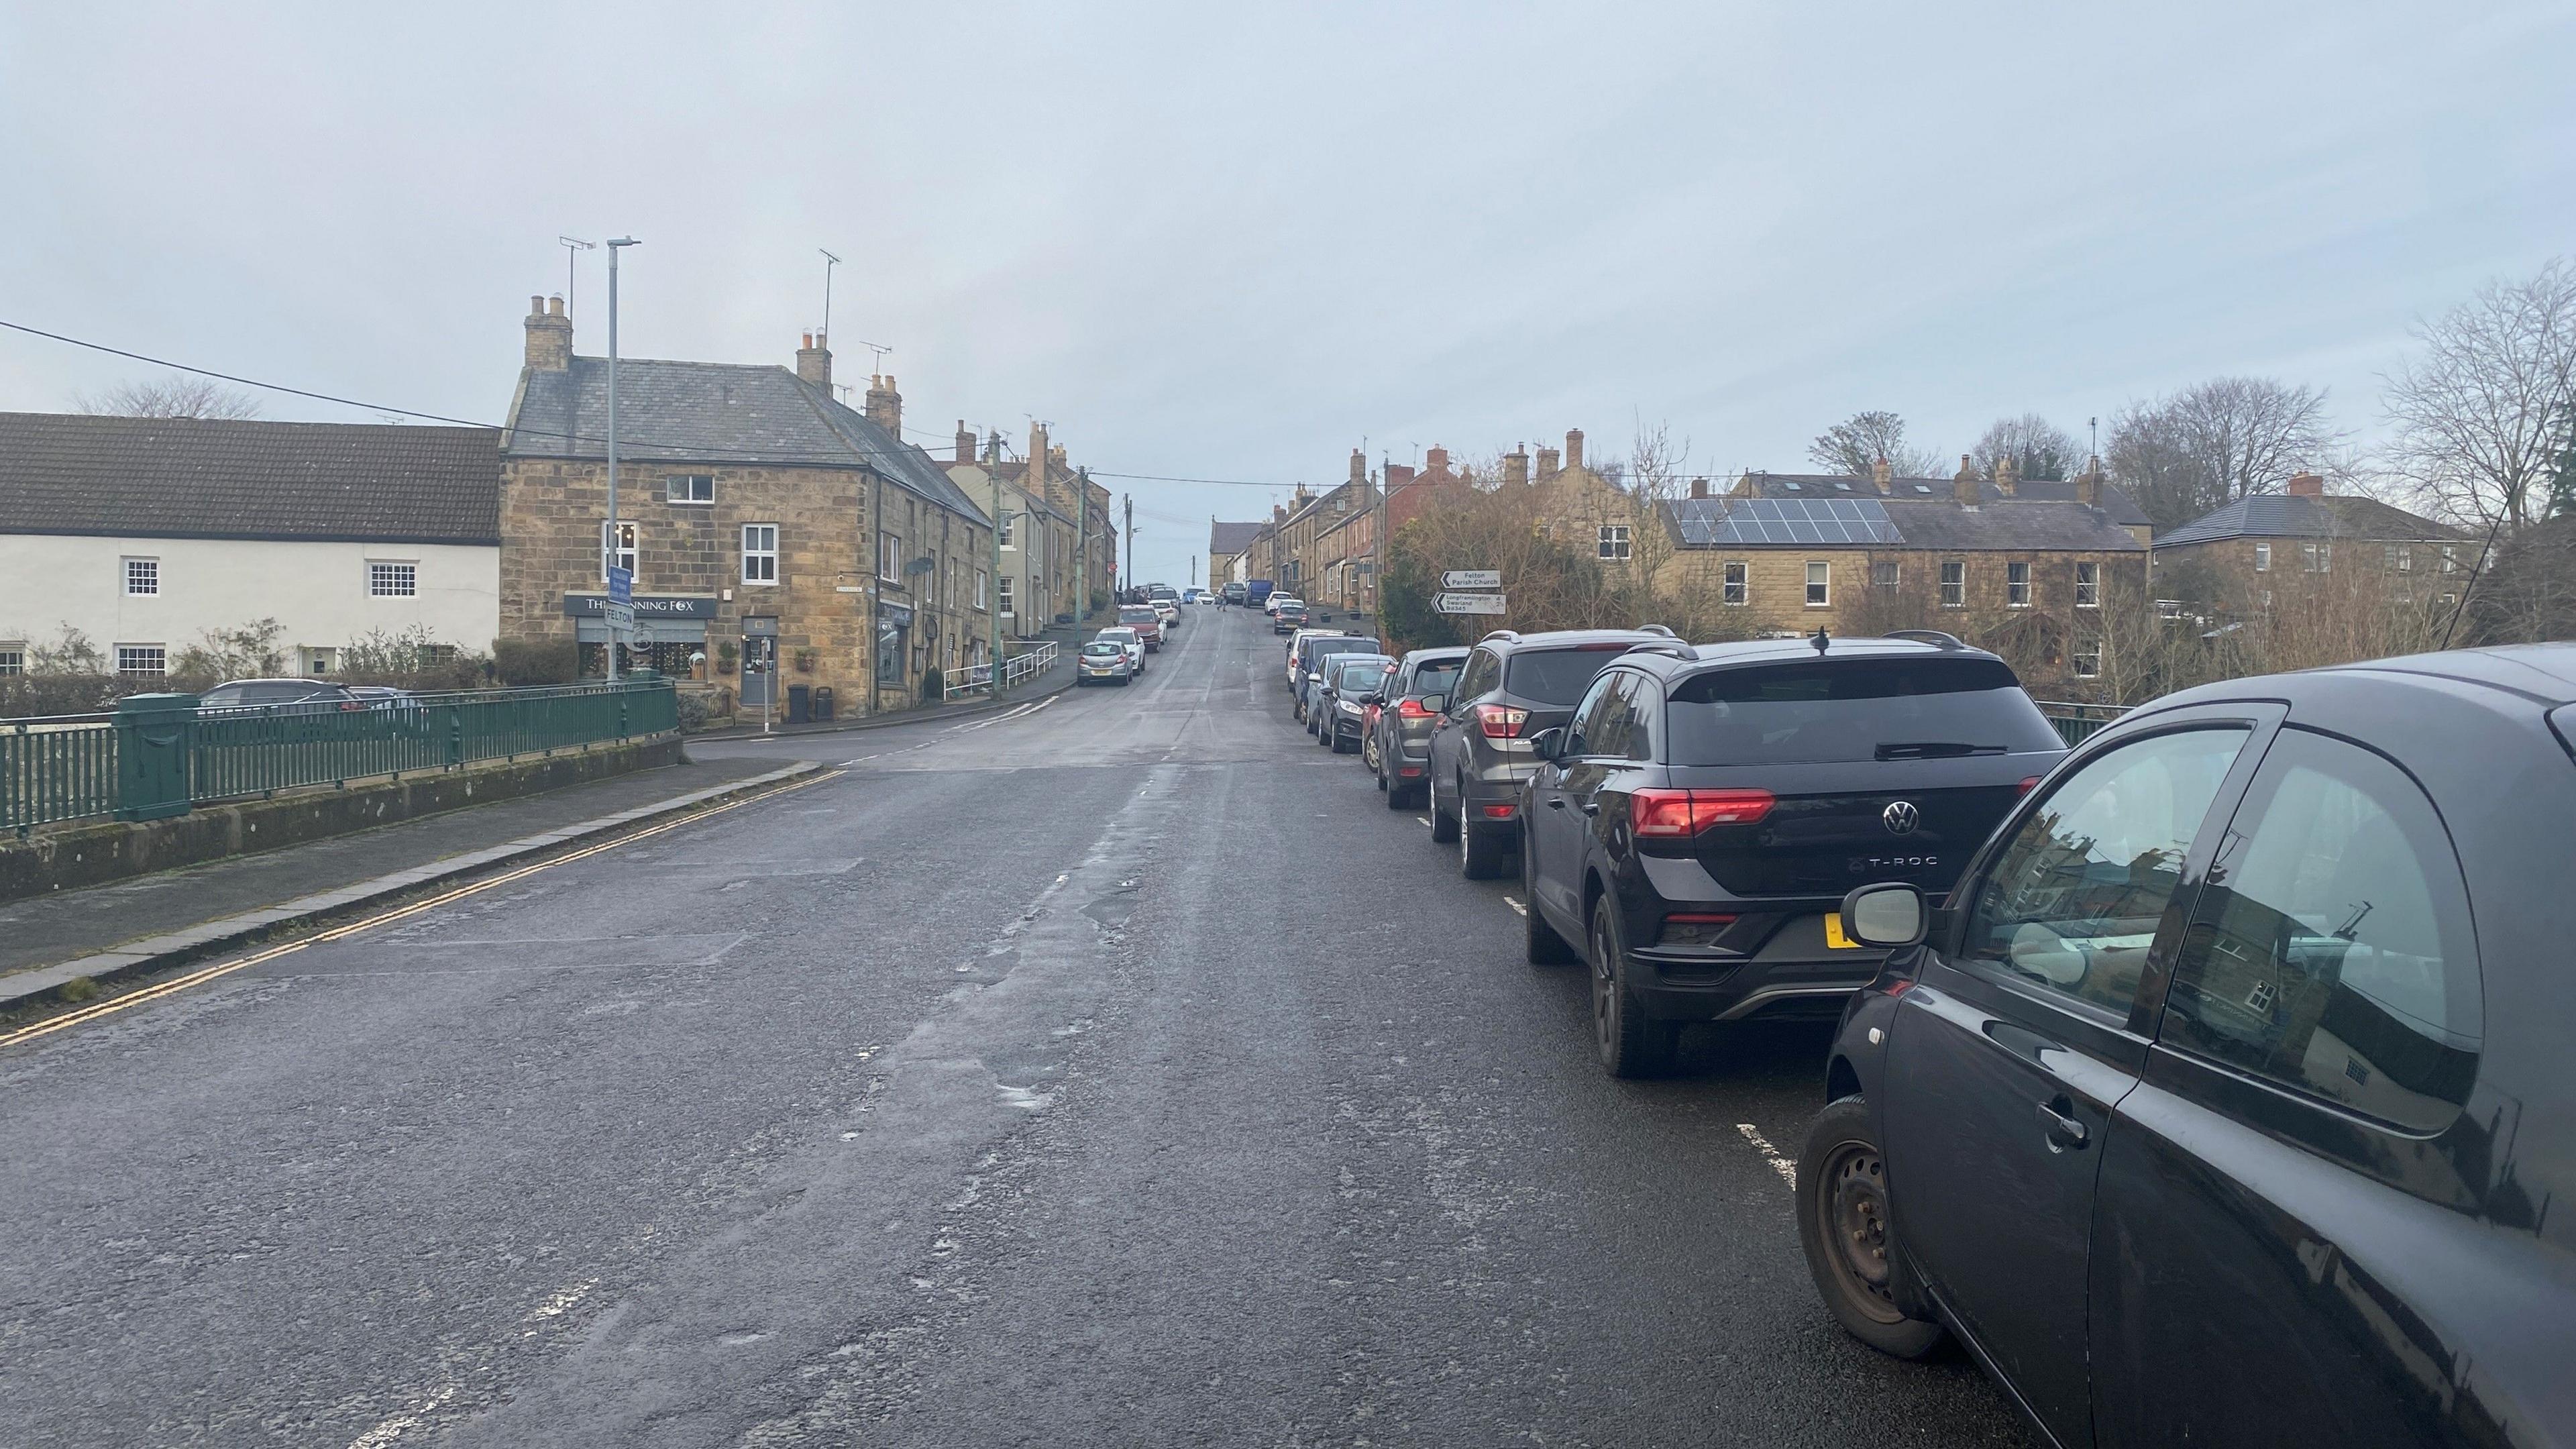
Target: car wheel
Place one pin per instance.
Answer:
(1545, 947)
(1399, 796)
(1337, 745)
(1444, 825)
(1843, 1223)
(1631, 1045)
(1480, 847)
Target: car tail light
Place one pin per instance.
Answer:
(2028, 784)
(1501, 721)
(1680, 814)
(1693, 928)
(1500, 812)
(1411, 709)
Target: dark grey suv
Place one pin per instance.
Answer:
(1512, 686)
(1398, 748)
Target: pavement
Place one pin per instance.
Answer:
(1054, 677)
(1002, 1089)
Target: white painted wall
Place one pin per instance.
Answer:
(317, 590)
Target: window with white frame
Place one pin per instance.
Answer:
(2262, 558)
(142, 659)
(2088, 585)
(2401, 558)
(697, 488)
(2088, 659)
(1008, 599)
(1614, 540)
(622, 554)
(2017, 585)
(760, 553)
(1739, 583)
(1003, 529)
(1954, 583)
(387, 579)
(890, 557)
(13, 657)
(2317, 558)
(1883, 573)
(142, 576)
(2450, 559)
(1820, 580)
(318, 661)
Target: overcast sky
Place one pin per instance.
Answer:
(1236, 241)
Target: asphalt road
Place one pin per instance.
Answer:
(1115, 1072)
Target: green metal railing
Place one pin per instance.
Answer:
(57, 768)
(2076, 723)
(160, 754)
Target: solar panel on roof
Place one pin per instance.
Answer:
(1788, 521)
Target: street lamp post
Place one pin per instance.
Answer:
(615, 245)
(993, 595)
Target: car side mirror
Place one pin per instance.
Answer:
(1435, 704)
(1547, 744)
(1891, 915)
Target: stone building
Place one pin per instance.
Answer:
(2033, 577)
(2272, 550)
(759, 514)
(1229, 548)
(1040, 532)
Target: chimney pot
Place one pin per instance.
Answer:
(554, 306)
(549, 337)
(2307, 485)
(537, 305)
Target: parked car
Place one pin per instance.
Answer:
(1236, 593)
(2226, 1101)
(1293, 659)
(1147, 621)
(1511, 687)
(1258, 592)
(1398, 751)
(1696, 823)
(1106, 661)
(1169, 612)
(1287, 615)
(243, 695)
(1334, 716)
(1132, 641)
(1308, 667)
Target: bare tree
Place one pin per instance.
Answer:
(2038, 448)
(2215, 442)
(1853, 445)
(2480, 416)
(175, 396)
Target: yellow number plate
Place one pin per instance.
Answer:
(1834, 937)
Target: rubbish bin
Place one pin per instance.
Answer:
(799, 703)
(823, 702)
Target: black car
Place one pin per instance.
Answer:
(1511, 687)
(1697, 822)
(1307, 658)
(1399, 742)
(2227, 1102)
(1339, 699)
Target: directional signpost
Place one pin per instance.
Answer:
(1468, 603)
(620, 609)
(1472, 579)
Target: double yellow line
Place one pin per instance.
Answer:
(176, 984)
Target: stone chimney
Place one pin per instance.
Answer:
(885, 405)
(1278, 513)
(814, 362)
(1397, 476)
(1699, 488)
(1516, 465)
(549, 336)
(1547, 464)
(1964, 486)
(2307, 485)
(1574, 447)
(2008, 476)
(965, 442)
(2088, 484)
(1359, 466)
(1883, 473)
(1435, 463)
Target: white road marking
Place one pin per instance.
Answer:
(1788, 1170)
(1425, 819)
(392, 1428)
(1515, 905)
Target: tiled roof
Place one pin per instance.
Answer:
(713, 412)
(2017, 524)
(1231, 538)
(208, 478)
(2123, 509)
(2281, 515)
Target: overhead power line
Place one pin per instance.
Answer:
(688, 452)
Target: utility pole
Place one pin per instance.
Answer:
(993, 597)
(1377, 551)
(1131, 538)
(615, 245)
(1081, 548)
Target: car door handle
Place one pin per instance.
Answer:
(2064, 1131)
(1591, 807)
(1555, 802)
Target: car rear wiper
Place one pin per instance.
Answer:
(1934, 750)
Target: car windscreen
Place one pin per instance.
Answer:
(1104, 650)
(1355, 678)
(1436, 678)
(1556, 676)
(1318, 650)
(1136, 614)
(1835, 711)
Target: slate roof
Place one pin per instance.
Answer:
(70, 473)
(714, 412)
(1232, 538)
(2014, 525)
(2281, 515)
(2123, 509)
